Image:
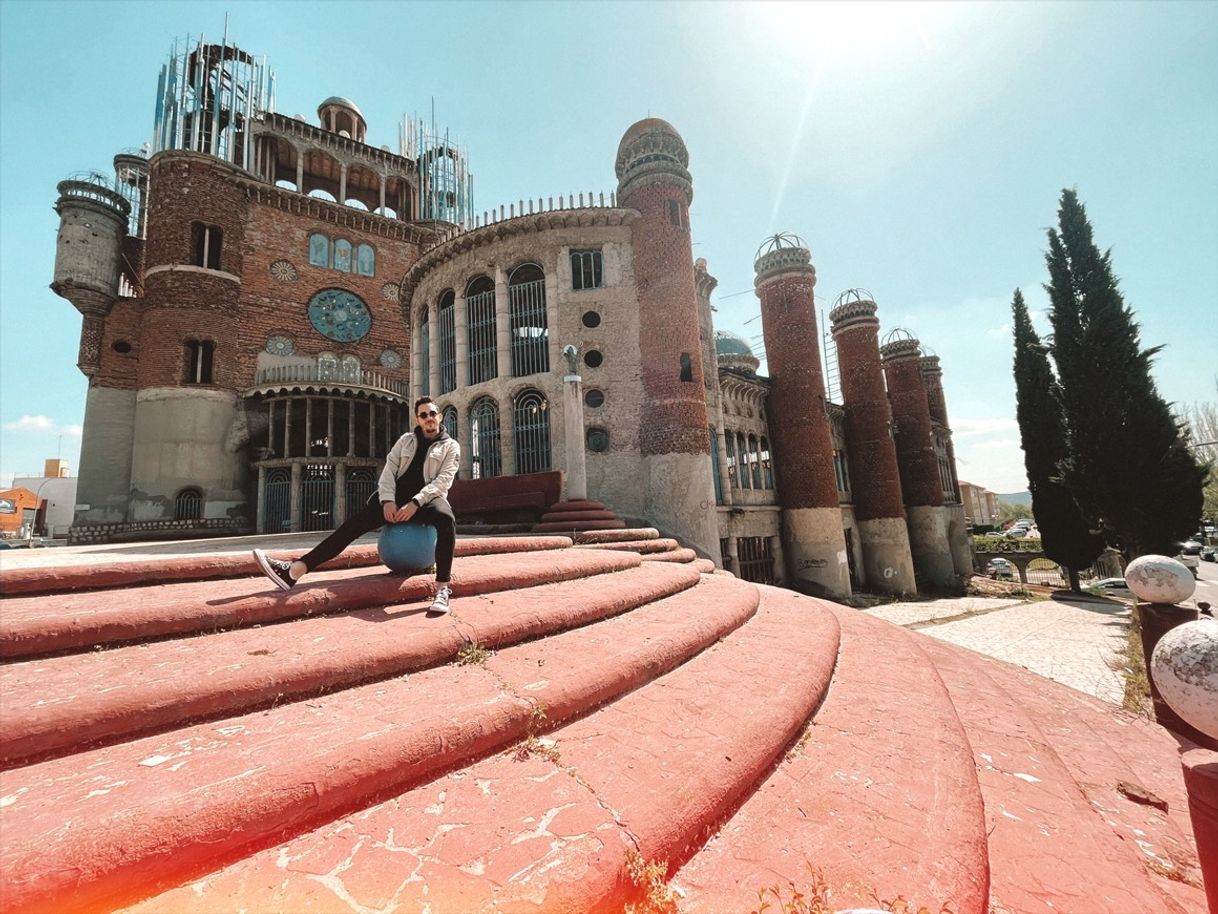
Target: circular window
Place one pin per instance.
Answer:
(597, 440)
(593, 358)
(591, 319)
(594, 398)
(390, 358)
(339, 315)
(280, 345)
(122, 347)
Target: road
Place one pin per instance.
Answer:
(1207, 585)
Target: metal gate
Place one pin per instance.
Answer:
(277, 502)
(317, 497)
(361, 483)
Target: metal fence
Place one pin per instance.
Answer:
(448, 343)
(361, 483)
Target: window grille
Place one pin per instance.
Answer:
(586, 270)
(755, 460)
(746, 473)
(450, 421)
(319, 250)
(317, 497)
(361, 483)
(756, 559)
(199, 359)
(425, 355)
(481, 329)
(448, 342)
(531, 429)
(277, 501)
(767, 468)
(350, 369)
(188, 505)
(723, 553)
(206, 241)
(342, 255)
(530, 332)
(714, 450)
(730, 447)
(485, 457)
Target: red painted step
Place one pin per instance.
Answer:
(168, 807)
(95, 576)
(579, 504)
(640, 546)
(75, 621)
(615, 536)
(880, 794)
(67, 702)
(672, 555)
(555, 517)
(547, 828)
(580, 526)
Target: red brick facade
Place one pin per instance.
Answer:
(919, 466)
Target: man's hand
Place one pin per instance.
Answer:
(400, 515)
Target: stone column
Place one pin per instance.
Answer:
(551, 321)
(503, 326)
(733, 556)
(918, 464)
(294, 510)
(342, 184)
(725, 483)
(433, 348)
(779, 561)
(340, 493)
(260, 523)
(461, 333)
(573, 435)
(883, 536)
(802, 442)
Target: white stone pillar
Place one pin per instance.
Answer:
(342, 184)
(433, 354)
(340, 493)
(573, 437)
(381, 210)
(260, 523)
(503, 327)
(297, 473)
(461, 333)
(299, 172)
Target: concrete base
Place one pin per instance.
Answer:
(887, 560)
(105, 456)
(816, 551)
(958, 540)
(932, 555)
(681, 499)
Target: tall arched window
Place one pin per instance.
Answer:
(199, 357)
(746, 472)
(448, 342)
(188, 505)
(531, 430)
(425, 355)
(755, 461)
(319, 250)
(729, 445)
(366, 260)
(530, 333)
(327, 367)
(342, 255)
(484, 438)
(766, 467)
(450, 421)
(482, 330)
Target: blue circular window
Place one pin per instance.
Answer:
(339, 315)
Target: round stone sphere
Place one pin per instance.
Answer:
(407, 548)
(1185, 669)
(1159, 579)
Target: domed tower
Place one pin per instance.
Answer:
(734, 352)
(813, 541)
(887, 561)
(342, 116)
(901, 357)
(673, 436)
(957, 525)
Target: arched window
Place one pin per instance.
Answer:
(425, 355)
(342, 255)
(530, 333)
(481, 329)
(349, 369)
(319, 250)
(206, 241)
(531, 430)
(448, 342)
(366, 260)
(746, 473)
(199, 357)
(729, 444)
(767, 468)
(188, 505)
(484, 438)
(327, 367)
(755, 460)
(450, 421)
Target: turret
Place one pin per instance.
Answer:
(957, 523)
(342, 116)
(878, 506)
(814, 544)
(92, 224)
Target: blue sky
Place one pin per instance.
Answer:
(918, 148)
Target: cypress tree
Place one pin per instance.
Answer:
(1127, 464)
(1066, 536)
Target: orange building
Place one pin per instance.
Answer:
(13, 504)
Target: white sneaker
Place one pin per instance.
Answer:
(439, 606)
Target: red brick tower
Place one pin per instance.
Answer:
(813, 542)
(673, 434)
(920, 482)
(878, 506)
(957, 526)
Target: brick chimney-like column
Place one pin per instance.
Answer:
(957, 524)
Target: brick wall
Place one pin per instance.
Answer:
(914, 439)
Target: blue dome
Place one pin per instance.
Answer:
(727, 343)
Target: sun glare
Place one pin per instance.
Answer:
(846, 28)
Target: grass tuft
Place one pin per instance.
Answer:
(648, 877)
(472, 652)
(814, 898)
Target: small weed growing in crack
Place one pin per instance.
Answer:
(814, 899)
(648, 877)
(543, 748)
(472, 652)
(798, 749)
(537, 719)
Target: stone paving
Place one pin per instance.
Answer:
(1079, 644)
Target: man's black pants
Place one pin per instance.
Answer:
(438, 514)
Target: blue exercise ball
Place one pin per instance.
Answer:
(407, 548)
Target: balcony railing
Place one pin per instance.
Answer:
(329, 373)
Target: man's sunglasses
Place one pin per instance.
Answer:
(428, 414)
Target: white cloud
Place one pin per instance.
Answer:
(997, 444)
(43, 424)
(966, 427)
(999, 331)
(72, 431)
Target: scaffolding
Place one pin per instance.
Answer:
(207, 97)
(446, 187)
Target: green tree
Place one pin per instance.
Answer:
(1127, 464)
(1203, 439)
(1065, 534)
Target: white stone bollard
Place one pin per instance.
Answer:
(1185, 669)
(1159, 579)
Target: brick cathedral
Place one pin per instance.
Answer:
(263, 297)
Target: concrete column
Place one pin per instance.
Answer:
(503, 326)
(918, 463)
(573, 435)
(342, 184)
(299, 172)
(416, 358)
(878, 505)
(725, 483)
(381, 209)
(297, 473)
(779, 559)
(340, 493)
(733, 556)
(507, 438)
(260, 523)
(461, 332)
(802, 441)
(433, 355)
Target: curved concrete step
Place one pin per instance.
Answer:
(579, 504)
(547, 826)
(1058, 843)
(672, 555)
(641, 546)
(76, 621)
(67, 702)
(99, 575)
(616, 536)
(579, 525)
(879, 793)
(165, 808)
(556, 517)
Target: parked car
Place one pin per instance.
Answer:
(1000, 570)
(1190, 555)
(1208, 553)
(1113, 585)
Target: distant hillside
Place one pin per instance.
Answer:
(1016, 498)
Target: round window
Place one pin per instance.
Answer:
(597, 440)
(593, 358)
(591, 319)
(594, 398)
(122, 347)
